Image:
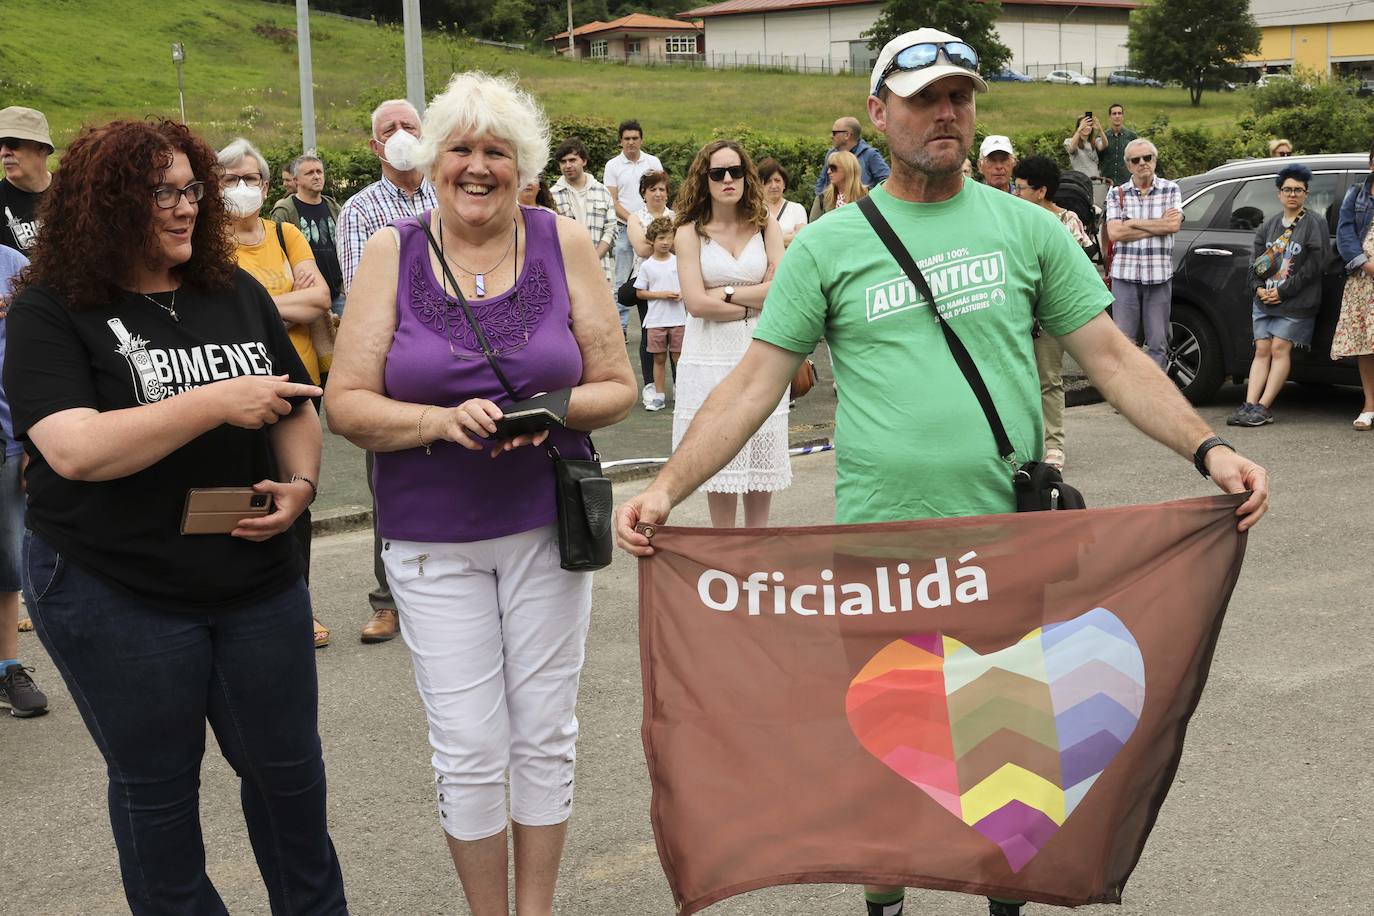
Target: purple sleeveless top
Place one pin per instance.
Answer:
(456, 495)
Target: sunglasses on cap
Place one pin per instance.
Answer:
(734, 171)
(1136, 160)
(926, 54)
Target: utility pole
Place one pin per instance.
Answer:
(307, 76)
(572, 45)
(415, 56)
(179, 58)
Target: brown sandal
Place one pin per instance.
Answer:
(321, 634)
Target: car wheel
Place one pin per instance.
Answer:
(1194, 354)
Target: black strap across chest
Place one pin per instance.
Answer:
(956, 346)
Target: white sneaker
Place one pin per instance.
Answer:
(648, 395)
(659, 402)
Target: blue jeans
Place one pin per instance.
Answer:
(11, 522)
(624, 263)
(146, 680)
(1145, 306)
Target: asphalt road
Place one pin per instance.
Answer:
(1270, 812)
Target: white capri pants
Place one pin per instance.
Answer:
(496, 631)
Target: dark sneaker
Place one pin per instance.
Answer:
(21, 694)
(998, 908)
(1239, 418)
(1258, 416)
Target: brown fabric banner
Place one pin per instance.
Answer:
(991, 705)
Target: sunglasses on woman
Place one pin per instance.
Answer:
(926, 54)
(734, 171)
(832, 167)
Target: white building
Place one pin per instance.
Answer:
(826, 35)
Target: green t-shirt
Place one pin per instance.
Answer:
(910, 438)
(1112, 160)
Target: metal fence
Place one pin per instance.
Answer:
(730, 60)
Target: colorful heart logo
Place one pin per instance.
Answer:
(1008, 742)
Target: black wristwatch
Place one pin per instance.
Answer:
(1200, 456)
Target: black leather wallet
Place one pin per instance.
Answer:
(533, 415)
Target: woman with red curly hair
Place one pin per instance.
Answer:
(144, 366)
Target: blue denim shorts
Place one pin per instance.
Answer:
(11, 524)
(1297, 330)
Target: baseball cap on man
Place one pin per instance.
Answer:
(914, 60)
(25, 124)
(996, 143)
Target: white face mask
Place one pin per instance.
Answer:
(401, 151)
(241, 200)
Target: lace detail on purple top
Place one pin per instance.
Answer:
(508, 321)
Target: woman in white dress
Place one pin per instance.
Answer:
(654, 188)
(791, 216)
(727, 249)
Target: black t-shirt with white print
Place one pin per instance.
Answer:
(128, 354)
(18, 217)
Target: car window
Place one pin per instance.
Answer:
(1197, 213)
(1258, 199)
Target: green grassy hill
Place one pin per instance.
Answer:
(85, 60)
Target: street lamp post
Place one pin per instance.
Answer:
(415, 60)
(178, 58)
(306, 76)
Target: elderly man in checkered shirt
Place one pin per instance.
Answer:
(1142, 216)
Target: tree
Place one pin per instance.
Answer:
(974, 22)
(1197, 42)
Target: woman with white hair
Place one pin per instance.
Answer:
(278, 256)
(496, 628)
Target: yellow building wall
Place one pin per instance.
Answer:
(1314, 46)
(1276, 43)
(1309, 47)
(1352, 39)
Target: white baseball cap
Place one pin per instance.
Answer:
(907, 82)
(996, 143)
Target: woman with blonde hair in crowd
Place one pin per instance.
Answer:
(727, 249)
(842, 170)
(1280, 148)
(495, 626)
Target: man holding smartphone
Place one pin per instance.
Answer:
(888, 359)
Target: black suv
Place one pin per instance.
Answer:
(1210, 333)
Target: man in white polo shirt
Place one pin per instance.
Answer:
(622, 180)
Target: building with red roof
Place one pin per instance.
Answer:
(636, 38)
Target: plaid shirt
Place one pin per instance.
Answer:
(600, 216)
(1147, 260)
(379, 204)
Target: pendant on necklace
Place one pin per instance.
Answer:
(481, 285)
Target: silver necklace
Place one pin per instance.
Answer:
(480, 277)
(169, 309)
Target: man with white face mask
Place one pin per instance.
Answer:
(402, 191)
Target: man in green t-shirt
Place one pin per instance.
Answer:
(911, 440)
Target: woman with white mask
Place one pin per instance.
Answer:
(279, 257)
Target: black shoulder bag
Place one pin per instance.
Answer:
(583, 492)
(1038, 485)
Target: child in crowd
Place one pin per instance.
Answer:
(666, 319)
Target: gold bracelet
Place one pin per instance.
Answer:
(420, 430)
